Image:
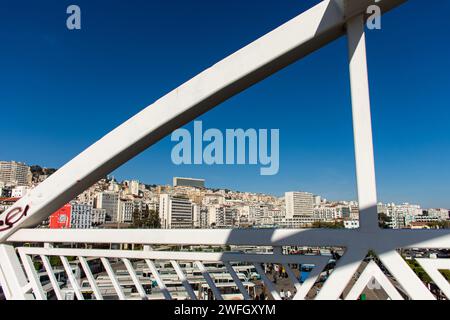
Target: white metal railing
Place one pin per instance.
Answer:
(356, 243)
(149, 256)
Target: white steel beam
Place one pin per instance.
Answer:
(373, 271)
(345, 268)
(159, 281)
(362, 124)
(261, 237)
(13, 280)
(432, 267)
(87, 271)
(183, 280)
(176, 255)
(236, 280)
(310, 281)
(134, 277)
(51, 276)
(73, 281)
(33, 278)
(209, 280)
(113, 278)
(277, 49)
(400, 270)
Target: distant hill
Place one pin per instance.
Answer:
(37, 171)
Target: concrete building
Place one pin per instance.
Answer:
(226, 217)
(109, 200)
(188, 182)
(351, 224)
(442, 214)
(295, 222)
(98, 216)
(15, 173)
(298, 204)
(175, 212)
(81, 216)
(133, 187)
(19, 191)
(126, 209)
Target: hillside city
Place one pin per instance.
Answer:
(188, 203)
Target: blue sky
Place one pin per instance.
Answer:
(62, 90)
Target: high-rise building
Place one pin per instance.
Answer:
(98, 216)
(72, 215)
(19, 191)
(81, 216)
(15, 173)
(126, 210)
(134, 187)
(109, 200)
(175, 212)
(225, 217)
(298, 204)
(188, 182)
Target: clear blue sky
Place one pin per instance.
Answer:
(62, 90)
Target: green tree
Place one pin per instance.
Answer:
(328, 225)
(147, 219)
(384, 220)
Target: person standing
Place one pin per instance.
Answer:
(288, 295)
(282, 295)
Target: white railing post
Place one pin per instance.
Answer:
(13, 280)
(362, 126)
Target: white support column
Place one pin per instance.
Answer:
(209, 280)
(51, 276)
(345, 268)
(159, 280)
(183, 280)
(362, 126)
(236, 280)
(135, 278)
(73, 281)
(13, 280)
(90, 278)
(400, 270)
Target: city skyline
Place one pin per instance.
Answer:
(316, 143)
(175, 181)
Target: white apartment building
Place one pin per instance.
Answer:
(80, 216)
(133, 187)
(188, 182)
(196, 216)
(98, 216)
(19, 192)
(15, 173)
(175, 212)
(298, 204)
(351, 224)
(331, 212)
(256, 213)
(226, 217)
(126, 209)
(442, 214)
(109, 200)
(295, 222)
